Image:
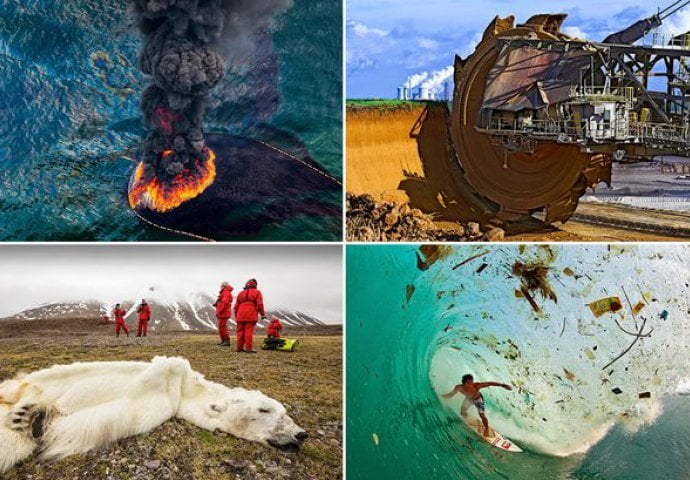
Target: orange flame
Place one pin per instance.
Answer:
(162, 197)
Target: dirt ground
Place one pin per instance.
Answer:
(308, 382)
(401, 154)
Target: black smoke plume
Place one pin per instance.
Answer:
(186, 44)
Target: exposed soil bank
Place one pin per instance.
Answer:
(403, 154)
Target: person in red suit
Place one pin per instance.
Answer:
(224, 312)
(120, 323)
(248, 307)
(144, 312)
(274, 328)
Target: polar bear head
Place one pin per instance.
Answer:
(247, 414)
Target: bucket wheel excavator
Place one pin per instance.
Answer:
(538, 116)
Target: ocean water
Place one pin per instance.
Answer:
(70, 125)
(413, 332)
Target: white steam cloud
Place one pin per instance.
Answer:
(435, 81)
(414, 80)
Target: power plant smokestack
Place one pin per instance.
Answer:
(429, 86)
(424, 93)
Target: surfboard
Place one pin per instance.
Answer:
(496, 439)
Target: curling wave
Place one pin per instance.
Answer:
(583, 385)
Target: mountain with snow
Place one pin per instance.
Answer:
(58, 311)
(190, 312)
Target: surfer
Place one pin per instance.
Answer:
(472, 394)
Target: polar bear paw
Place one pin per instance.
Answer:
(28, 419)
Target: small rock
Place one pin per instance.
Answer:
(494, 235)
(321, 432)
(271, 467)
(391, 219)
(153, 464)
(472, 229)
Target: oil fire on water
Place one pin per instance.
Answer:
(165, 196)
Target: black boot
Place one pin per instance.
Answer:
(225, 343)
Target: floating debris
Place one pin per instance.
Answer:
(664, 315)
(469, 259)
(482, 267)
(375, 438)
(421, 264)
(644, 395)
(632, 344)
(638, 307)
(568, 271)
(604, 305)
(531, 301)
(617, 391)
(409, 291)
(433, 253)
(534, 278)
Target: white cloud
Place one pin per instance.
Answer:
(471, 45)
(366, 46)
(361, 30)
(677, 24)
(305, 278)
(576, 32)
(427, 43)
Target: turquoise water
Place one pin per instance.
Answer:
(70, 123)
(402, 354)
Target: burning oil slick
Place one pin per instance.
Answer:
(285, 192)
(186, 43)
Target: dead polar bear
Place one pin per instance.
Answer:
(69, 409)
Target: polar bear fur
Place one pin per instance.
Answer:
(70, 409)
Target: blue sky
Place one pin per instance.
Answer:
(390, 40)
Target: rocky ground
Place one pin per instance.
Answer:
(308, 382)
(372, 221)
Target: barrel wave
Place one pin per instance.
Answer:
(593, 339)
